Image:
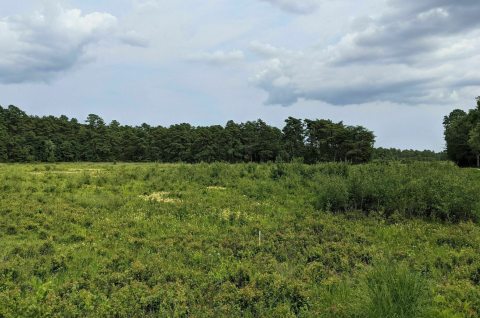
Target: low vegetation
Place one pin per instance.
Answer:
(157, 240)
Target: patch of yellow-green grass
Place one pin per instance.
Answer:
(216, 188)
(160, 197)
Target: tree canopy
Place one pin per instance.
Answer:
(25, 138)
(462, 136)
(409, 155)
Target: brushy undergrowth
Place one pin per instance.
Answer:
(155, 240)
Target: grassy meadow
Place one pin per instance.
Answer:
(245, 240)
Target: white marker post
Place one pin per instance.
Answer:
(259, 238)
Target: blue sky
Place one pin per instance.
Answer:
(394, 66)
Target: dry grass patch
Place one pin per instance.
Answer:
(160, 197)
(69, 171)
(227, 215)
(216, 188)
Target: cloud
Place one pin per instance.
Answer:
(411, 28)
(217, 58)
(269, 51)
(134, 39)
(41, 45)
(295, 6)
(416, 52)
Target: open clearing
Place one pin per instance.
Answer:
(250, 240)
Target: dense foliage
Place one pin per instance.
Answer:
(462, 136)
(409, 155)
(26, 138)
(163, 240)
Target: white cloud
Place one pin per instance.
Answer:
(295, 6)
(412, 54)
(40, 45)
(217, 58)
(268, 51)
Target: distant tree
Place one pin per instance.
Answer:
(4, 137)
(268, 145)
(249, 140)
(456, 138)
(294, 138)
(207, 144)
(159, 143)
(66, 151)
(232, 142)
(114, 139)
(474, 142)
(96, 137)
(144, 145)
(458, 127)
(360, 144)
(48, 138)
(49, 151)
(409, 155)
(455, 115)
(179, 141)
(328, 141)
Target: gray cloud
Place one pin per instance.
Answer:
(41, 45)
(417, 52)
(295, 6)
(409, 29)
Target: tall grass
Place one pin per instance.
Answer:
(393, 291)
(153, 240)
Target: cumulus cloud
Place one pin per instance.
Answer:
(417, 52)
(295, 6)
(217, 58)
(411, 28)
(38, 46)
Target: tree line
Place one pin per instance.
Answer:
(392, 154)
(462, 136)
(26, 138)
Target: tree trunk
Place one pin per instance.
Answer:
(478, 161)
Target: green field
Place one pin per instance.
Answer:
(164, 240)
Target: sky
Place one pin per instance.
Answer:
(396, 67)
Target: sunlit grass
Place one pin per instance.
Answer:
(136, 240)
